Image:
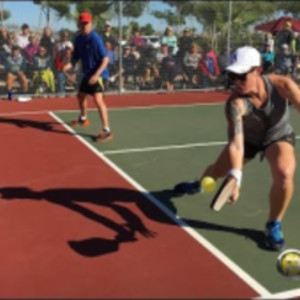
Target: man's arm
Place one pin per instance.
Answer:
(235, 109)
(287, 89)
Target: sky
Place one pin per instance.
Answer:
(27, 12)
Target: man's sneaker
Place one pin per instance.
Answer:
(104, 136)
(274, 237)
(188, 187)
(80, 122)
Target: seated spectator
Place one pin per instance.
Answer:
(129, 65)
(284, 61)
(190, 64)
(137, 41)
(63, 41)
(63, 57)
(43, 77)
(3, 41)
(22, 39)
(170, 39)
(15, 66)
(11, 42)
(170, 68)
(48, 42)
(184, 44)
(29, 52)
(268, 58)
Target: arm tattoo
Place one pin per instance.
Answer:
(234, 115)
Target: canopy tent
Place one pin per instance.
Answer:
(278, 24)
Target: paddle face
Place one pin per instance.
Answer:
(223, 194)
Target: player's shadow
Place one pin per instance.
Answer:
(48, 126)
(74, 199)
(114, 198)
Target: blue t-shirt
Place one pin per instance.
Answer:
(91, 51)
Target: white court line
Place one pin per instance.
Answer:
(250, 281)
(284, 295)
(168, 147)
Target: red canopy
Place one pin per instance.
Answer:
(276, 25)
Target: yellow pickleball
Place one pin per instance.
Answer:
(208, 184)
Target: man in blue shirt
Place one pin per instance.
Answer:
(89, 48)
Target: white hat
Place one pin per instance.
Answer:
(245, 59)
(107, 23)
(69, 44)
(285, 46)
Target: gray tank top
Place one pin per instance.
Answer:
(268, 123)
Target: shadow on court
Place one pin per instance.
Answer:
(73, 198)
(40, 125)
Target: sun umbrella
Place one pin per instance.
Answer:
(278, 24)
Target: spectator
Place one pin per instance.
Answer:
(10, 43)
(129, 65)
(15, 66)
(170, 68)
(3, 41)
(62, 58)
(43, 77)
(137, 41)
(190, 64)
(284, 61)
(269, 39)
(284, 36)
(29, 52)
(48, 42)
(107, 35)
(207, 70)
(23, 37)
(63, 41)
(113, 63)
(184, 44)
(171, 40)
(268, 58)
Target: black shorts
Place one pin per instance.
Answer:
(251, 150)
(91, 89)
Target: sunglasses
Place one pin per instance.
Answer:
(84, 23)
(235, 76)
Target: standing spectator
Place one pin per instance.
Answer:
(43, 77)
(23, 37)
(113, 63)
(284, 36)
(15, 66)
(48, 42)
(107, 35)
(284, 61)
(170, 39)
(268, 58)
(129, 66)
(89, 48)
(269, 39)
(184, 44)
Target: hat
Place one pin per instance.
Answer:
(25, 26)
(245, 59)
(69, 45)
(285, 46)
(85, 17)
(107, 23)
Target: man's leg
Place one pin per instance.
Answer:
(281, 157)
(102, 109)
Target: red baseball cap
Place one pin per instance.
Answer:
(85, 17)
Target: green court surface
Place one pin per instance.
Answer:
(146, 148)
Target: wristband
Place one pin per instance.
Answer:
(237, 174)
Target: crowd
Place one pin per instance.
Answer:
(179, 60)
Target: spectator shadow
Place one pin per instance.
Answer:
(114, 198)
(48, 126)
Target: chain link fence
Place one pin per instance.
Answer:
(143, 57)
